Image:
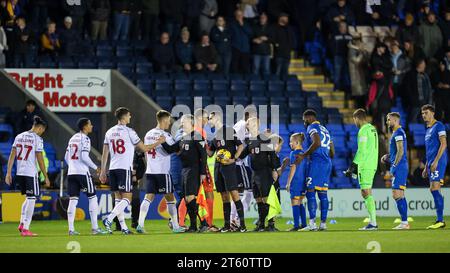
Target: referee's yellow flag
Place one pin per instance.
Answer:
(274, 203)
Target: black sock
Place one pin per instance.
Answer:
(271, 221)
(265, 211)
(261, 214)
(240, 212)
(227, 213)
(192, 208)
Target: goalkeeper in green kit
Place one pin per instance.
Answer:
(365, 163)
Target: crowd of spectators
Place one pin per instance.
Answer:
(253, 36)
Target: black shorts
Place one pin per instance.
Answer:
(159, 183)
(225, 178)
(262, 181)
(244, 177)
(28, 185)
(191, 181)
(77, 183)
(120, 180)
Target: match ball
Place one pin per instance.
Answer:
(223, 155)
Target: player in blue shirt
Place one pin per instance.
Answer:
(296, 183)
(436, 157)
(399, 166)
(320, 152)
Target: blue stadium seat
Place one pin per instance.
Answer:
(106, 65)
(277, 86)
(101, 52)
(125, 69)
(240, 100)
(200, 92)
(159, 76)
(259, 101)
(201, 85)
(87, 65)
(221, 101)
(6, 133)
(67, 65)
(47, 65)
(164, 101)
(181, 92)
(144, 68)
(123, 51)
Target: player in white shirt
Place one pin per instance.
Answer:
(244, 172)
(159, 180)
(27, 149)
(120, 142)
(79, 177)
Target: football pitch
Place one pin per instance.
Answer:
(340, 237)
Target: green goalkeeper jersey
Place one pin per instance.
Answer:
(367, 155)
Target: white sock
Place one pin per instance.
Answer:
(233, 214)
(31, 201)
(172, 209)
(71, 212)
(118, 211)
(404, 222)
(246, 199)
(23, 211)
(93, 211)
(312, 222)
(143, 212)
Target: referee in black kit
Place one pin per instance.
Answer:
(264, 164)
(192, 153)
(228, 148)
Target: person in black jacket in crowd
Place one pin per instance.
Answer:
(121, 11)
(192, 11)
(25, 117)
(76, 10)
(68, 37)
(283, 40)
(205, 55)
(261, 46)
(136, 9)
(340, 50)
(150, 20)
(163, 54)
(221, 38)
(172, 14)
(99, 11)
(241, 34)
(441, 86)
(23, 39)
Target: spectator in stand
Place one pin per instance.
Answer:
(250, 10)
(441, 85)
(261, 46)
(340, 47)
(205, 55)
(384, 14)
(416, 90)
(413, 52)
(408, 31)
(150, 20)
(50, 43)
(172, 12)
(14, 9)
(185, 50)
(68, 38)
(430, 36)
(283, 42)
(221, 37)
(22, 44)
(337, 13)
(25, 117)
(76, 10)
(3, 46)
(207, 16)
(136, 9)
(163, 55)
(446, 59)
(39, 13)
(401, 65)
(121, 13)
(5, 17)
(380, 92)
(192, 11)
(241, 34)
(357, 63)
(227, 8)
(99, 11)
(445, 26)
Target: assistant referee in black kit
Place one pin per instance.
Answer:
(192, 153)
(264, 164)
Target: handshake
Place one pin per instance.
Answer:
(352, 171)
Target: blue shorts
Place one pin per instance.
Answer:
(400, 177)
(298, 188)
(439, 174)
(318, 176)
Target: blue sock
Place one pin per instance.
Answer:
(296, 215)
(303, 215)
(323, 206)
(439, 204)
(402, 207)
(312, 204)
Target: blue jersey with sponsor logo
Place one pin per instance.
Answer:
(300, 171)
(432, 142)
(397, 135)
(322, 153)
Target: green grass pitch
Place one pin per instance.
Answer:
(341, 237)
